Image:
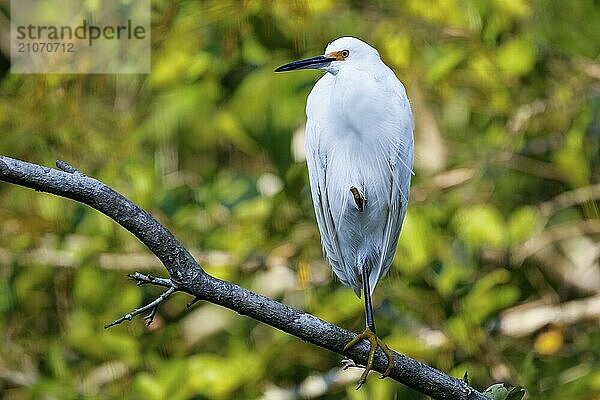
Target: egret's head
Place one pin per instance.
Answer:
(343, 51)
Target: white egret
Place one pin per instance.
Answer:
(359, 151)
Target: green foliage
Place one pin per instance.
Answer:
(503, 215)
(501, 391)
(481, 226)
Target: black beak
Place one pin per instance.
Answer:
(314, 63)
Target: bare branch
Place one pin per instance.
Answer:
(555, 234)
(142, 279)
(150, 306)
(570, 198)
(187, 276)
(525, 319)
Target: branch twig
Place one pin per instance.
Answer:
(152, 306)
(187, 276)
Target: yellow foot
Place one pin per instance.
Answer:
(369, 335)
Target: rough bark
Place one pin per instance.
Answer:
(186, 275)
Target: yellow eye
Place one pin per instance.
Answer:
(345, 53)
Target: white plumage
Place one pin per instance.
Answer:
(359, 133)
(359, 151)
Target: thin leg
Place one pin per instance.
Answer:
(368, 306)
(369, 334)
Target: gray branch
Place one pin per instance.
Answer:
(187, 275)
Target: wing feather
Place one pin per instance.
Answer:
(317, 167)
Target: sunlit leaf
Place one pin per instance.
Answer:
(522, 223)
(481, 225)
(516, 57)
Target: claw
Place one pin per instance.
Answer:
(375, 342)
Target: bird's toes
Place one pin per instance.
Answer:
(390, 356)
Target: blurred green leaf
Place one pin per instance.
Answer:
(444, 64)
(501, 391)
(506, 111)
(516, 57)
(481, 225)
(523, 223)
